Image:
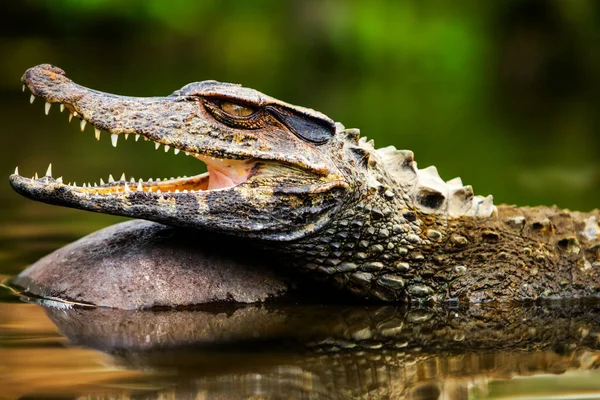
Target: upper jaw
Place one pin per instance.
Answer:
(177, 121)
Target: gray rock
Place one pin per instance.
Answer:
(140, 264)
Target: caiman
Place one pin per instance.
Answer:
(320, 198)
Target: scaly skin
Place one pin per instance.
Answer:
(325, 200)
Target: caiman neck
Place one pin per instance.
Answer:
(385, 249)
(374, 243)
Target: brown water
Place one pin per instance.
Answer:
(51, 351)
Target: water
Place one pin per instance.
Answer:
(49, 350)
(299, 352)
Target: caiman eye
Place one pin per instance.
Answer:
(235, 115)
(236, 110)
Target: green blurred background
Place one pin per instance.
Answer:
(502, 93)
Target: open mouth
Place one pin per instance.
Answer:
(223, 173)
(267, 174)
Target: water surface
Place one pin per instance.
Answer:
(50, 350)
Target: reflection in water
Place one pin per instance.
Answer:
(35, 362)
(301, 352)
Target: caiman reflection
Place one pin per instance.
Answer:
(337, 351)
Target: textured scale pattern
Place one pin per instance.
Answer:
(413, 237)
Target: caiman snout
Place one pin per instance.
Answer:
(44, 72)
(50, 83)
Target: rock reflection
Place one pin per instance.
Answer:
(339, 352)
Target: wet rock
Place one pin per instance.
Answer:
(141, 264)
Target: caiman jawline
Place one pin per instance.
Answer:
(223, 173)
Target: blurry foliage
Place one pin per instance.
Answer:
(502, 93)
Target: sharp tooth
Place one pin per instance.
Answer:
(123, 178)
(127, 188)
(186, 153)
(95, 184)
(185, 191)
(101, 181)
(126, 136)
(47, 108)
(70, 116)
(74, 184)
(150, 180)
(17, 168)
(137, 137)
(97, 133)
(156, 145)
(175, 151)
(23, 88)
(75, 113)
(84, 184)
(176, 190)
(35, 176)
(113, 139)
(139, 187)
(69, 184)
(157, 179)
(49, 170)
(149, 190)
(167, 148)
(31, 99)
(146, 139)
(132, 180)
(82, 124)
(89, 184)
(59, 179)
(158, 191)
(62, 107)
(110, 178)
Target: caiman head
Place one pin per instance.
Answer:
(272, 167)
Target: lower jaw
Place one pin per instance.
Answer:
(192, 184)
(222, 174)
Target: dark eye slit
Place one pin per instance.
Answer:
(215, 107)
